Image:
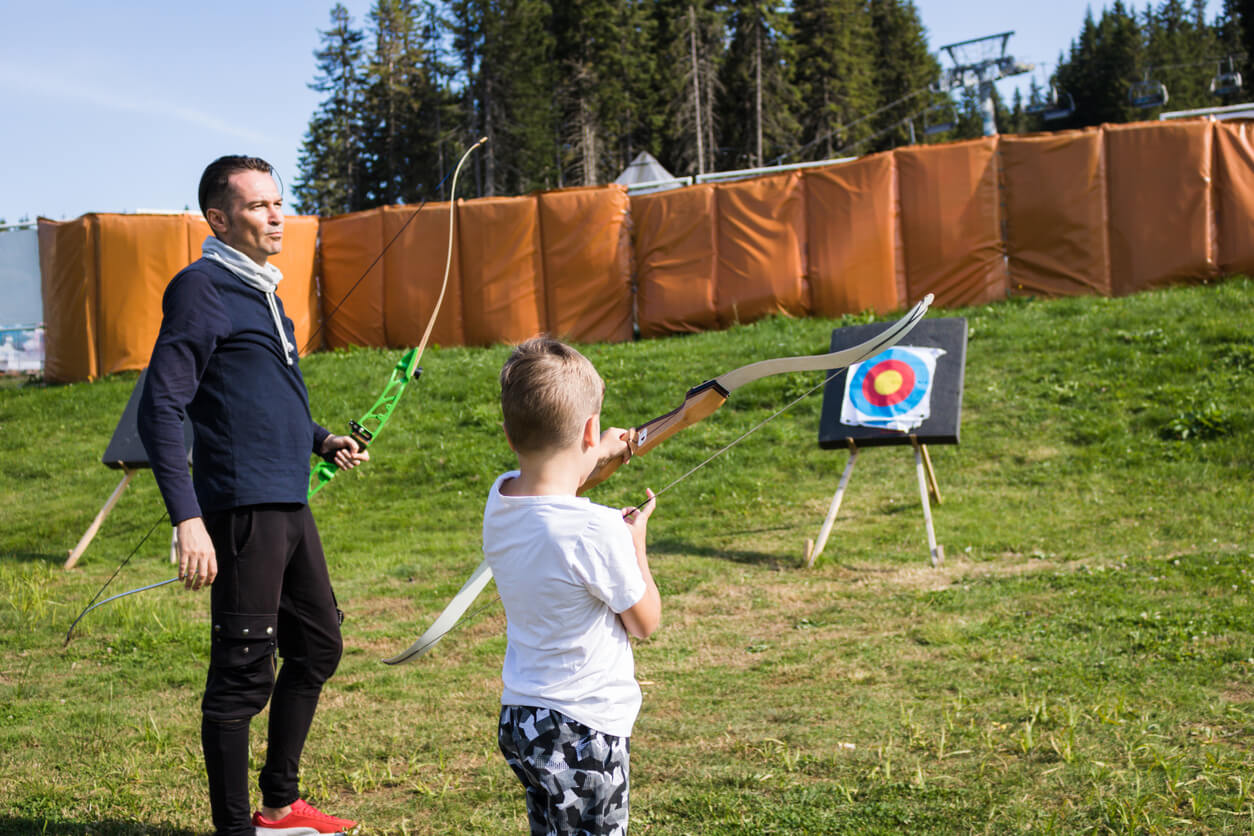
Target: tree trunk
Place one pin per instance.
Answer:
(696, 87)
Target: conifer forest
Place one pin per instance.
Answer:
(568, 92)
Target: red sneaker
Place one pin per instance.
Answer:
(303, 820)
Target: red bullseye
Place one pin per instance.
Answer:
(889, 382)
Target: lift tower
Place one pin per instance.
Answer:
(978, 63)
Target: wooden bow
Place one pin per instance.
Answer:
(699, 403)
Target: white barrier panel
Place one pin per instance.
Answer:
(21, 302)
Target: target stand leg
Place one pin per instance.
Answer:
(937, 553)
(814, 549)
(85, 540)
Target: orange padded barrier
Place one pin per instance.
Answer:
(65, 249)
(413, 271)
(297, 263)
(761, 248)
(1158, 180)
(851, 223)
(587, 263)
(1055, 200)
(136, 256)
(951, 228)
(1234, 196)
(675, 258)
(502, 269)
(104, 276)
(349, 244)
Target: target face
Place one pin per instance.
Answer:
(890, 384)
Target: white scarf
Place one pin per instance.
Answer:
(264, 278)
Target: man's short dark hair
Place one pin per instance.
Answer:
(214, 182)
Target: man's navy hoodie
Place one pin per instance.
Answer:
(218, 359)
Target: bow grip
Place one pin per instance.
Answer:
(700, 402)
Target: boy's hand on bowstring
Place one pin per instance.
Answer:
(637, 518)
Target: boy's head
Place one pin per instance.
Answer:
(548, 392)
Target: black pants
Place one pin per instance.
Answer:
(272, 592)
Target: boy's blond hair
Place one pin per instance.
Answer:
(548, 391)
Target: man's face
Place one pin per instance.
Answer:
(252, 219)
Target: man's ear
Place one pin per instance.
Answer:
(217, 220)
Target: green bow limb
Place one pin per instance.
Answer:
(367, 428)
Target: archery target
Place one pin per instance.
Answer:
(891, 390)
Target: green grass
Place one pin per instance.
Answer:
(1083, 662)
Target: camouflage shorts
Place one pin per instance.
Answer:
(575, 777)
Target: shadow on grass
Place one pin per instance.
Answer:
(757, 558)
(19, 826)
(55, 558)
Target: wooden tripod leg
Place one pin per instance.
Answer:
(813, 549)
(86, 539)
(936, 553)
(931, 474)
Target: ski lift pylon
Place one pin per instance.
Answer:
(1147, 93)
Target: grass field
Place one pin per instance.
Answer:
(1083, 662)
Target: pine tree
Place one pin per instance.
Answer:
(393, 90)
(690, 39)
(904, 70)
(1104, 61)
(835, 73)
(329, 176)
(1181, 52)
(506, 53)
(757, 107)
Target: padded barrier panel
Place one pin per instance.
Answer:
(675, 259)
(761, 248)
(851, 219)
(1234, 196)
(1158, 182)
(1055, 199)
(502, 269)
(951, 229)
(413, 271)
(136, 256)
(587, 263)
(69, 294)
(297, 262)
(349, 244)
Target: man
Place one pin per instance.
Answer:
(226, 357)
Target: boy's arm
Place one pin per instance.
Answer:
(643, 617)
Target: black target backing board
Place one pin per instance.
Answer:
(125, 450)
(942, 427)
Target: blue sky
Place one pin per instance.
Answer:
(112, 107)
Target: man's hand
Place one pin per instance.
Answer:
(347, 454)
(198, 564)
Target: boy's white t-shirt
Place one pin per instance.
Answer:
(565, 567)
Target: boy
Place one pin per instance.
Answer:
(575, 581)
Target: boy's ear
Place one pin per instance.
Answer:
(508, 440)
(592, 430)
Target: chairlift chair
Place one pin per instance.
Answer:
(1042, 101)
(940, 118)
(1147, 93)
(1226, 83)
(1064, 106)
